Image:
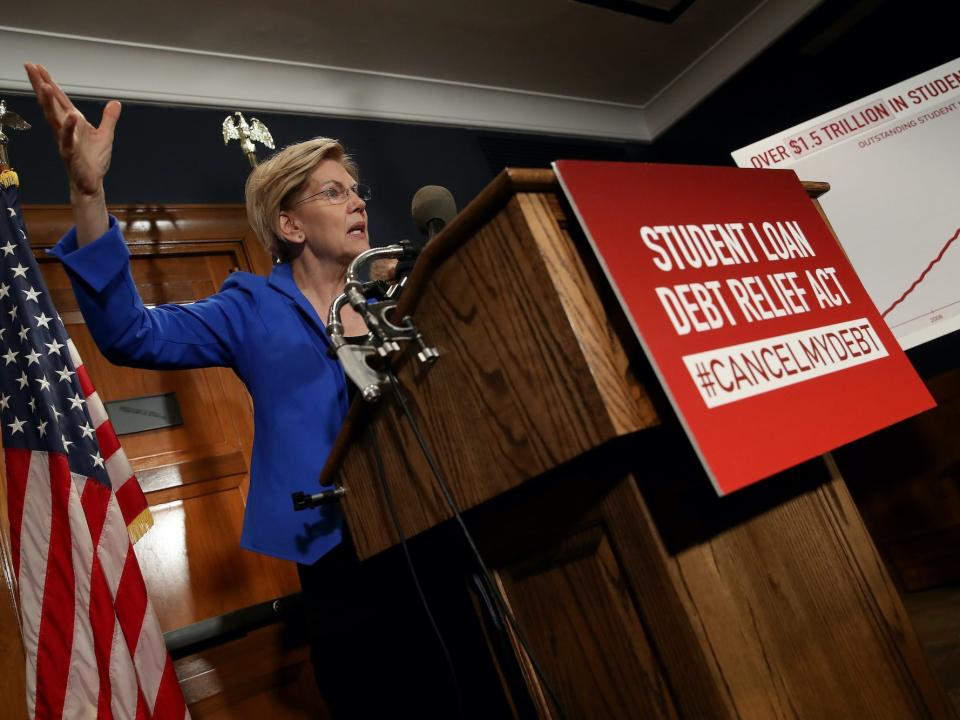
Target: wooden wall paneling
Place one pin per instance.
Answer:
(266, 674)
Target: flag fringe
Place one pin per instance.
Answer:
(138, 527)
(8, 179)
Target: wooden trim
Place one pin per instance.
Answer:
(199, 469)
(160, 228)
(814, 188)
(145, 223)
(477, 213)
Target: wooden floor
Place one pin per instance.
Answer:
(936, 616)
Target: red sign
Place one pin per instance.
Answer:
(765, 340)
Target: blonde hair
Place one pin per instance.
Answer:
(273, 183)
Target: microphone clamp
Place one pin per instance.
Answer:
(302, 501)
(360, 358)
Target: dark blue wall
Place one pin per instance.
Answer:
(167, 154)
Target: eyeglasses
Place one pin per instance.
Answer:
(335, 193)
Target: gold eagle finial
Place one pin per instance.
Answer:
(235, 127)
(10, 119)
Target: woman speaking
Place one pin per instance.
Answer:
(310, 212)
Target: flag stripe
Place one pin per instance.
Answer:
(18, 464)
(131, 601)
(112, 549)
(142, 712)
(83, 682)
(170, 704)
(57, 613)
(85, 384)
(74, 355)
(101, 623)
(95, 499)
(35, 542)
(127, 509)
(151, 659)
(121, 473)
(98, 413)
(123, 678)
(107, 440)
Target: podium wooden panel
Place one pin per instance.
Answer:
(640, 591)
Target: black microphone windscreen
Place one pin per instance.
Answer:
(432, 202)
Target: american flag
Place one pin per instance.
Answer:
(93, 646)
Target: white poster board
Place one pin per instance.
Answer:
(893, 163)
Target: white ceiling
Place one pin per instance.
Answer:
(554, 66)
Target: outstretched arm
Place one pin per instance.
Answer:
(202, 334)
(85, 149)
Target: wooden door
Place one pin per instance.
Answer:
(194, 474)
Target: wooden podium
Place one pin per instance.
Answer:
(642, 594)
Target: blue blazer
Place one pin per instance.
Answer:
(267, 332)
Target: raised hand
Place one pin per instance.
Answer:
(85, 149)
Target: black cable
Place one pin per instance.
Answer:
(502, 646)
(451, 503)
(391, 506)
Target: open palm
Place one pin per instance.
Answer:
(85, 149)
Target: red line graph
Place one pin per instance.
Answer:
(927, 269)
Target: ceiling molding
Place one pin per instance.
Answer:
(90, 67)
(98, 68)
(739, 46)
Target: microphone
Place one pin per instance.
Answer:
(432, 208)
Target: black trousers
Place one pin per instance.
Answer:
(373, 649)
